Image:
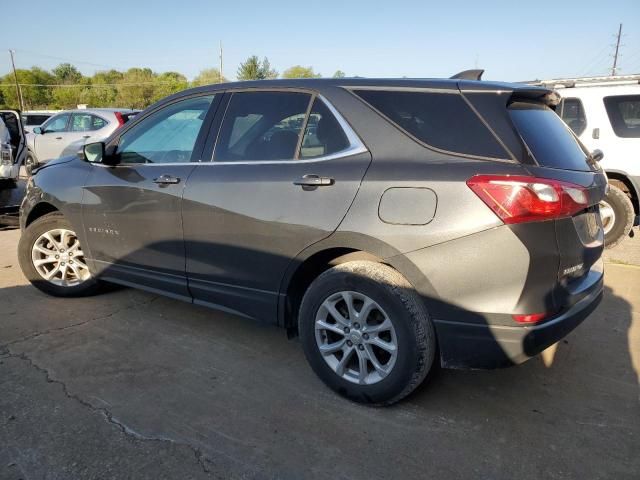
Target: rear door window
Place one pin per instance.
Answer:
(573, 115)
(624, 115)
(262, 126)
(440, 120)
(548, 138)
(85, 122)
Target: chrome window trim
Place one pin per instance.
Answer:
(356, 146)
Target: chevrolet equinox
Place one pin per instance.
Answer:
(390, 224)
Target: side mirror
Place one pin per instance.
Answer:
(93, 152)
(597, 155)
(38, 130)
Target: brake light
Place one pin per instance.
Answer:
(530, 318)
(120, 118)
(519, 199)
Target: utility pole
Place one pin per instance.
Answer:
(615, 55)
(220, 71)
(15, 77)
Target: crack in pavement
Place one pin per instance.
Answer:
(79, 324)
(108, 416)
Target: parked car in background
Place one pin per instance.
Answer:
(66, 132)
(35, 118)
(12, 144)
(391, 223)
(604, 112)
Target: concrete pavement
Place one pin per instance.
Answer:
(131, 385)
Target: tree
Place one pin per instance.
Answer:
(208, 77)
(298, 71)
(67, 73)
(34, 96)
(169, 83)
(339, 74)
(253, 69)
(136, 88)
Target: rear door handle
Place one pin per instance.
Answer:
(86, 136)
(314, 181)
(166, 180)
(58, 138)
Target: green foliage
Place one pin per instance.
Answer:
(253, 69)
(208, 76)
(339, 74)
(67, 73)
(298, 71)
(34, 96)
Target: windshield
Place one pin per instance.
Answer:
(549, 139)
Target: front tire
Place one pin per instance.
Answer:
(30, 163)
(616, 212)
(366, 333)
(52, 259)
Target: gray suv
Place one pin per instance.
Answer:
(390, 224)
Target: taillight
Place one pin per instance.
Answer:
(518, 199)
(529, 319)
(120, 118)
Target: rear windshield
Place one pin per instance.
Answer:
(441, 120)
(549, 139)
(624, 114)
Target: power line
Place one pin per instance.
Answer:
(89, 85)
(44, 55)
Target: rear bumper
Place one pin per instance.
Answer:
(465, 345)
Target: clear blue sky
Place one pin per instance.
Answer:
(511, 40)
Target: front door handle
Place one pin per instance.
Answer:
(314, 181)
(58, 138)
(86, 136)
(166, 180)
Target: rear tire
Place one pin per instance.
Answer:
(395, 318)
(72, 284)
(616, 211)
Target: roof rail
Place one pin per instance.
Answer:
(588, 81)
(469, 75)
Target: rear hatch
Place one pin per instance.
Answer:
(550, 152)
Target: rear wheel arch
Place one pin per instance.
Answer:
(306, 272)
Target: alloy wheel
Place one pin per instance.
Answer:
(356, 337)
(58, 258)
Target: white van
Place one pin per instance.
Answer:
(604, 112)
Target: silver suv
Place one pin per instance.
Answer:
(66, 133)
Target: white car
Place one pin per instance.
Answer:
(12, 144)
(66, 132)
(604, 112)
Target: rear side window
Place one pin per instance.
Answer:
(551, 143)
(624, 115)
(441, 120)
(323, 134)
(573, 115)
(262, 126)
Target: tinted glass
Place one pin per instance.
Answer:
(167, 136)
(550, 141)
(57, 123)
(34, 120)
(440, 120)
(624, 115)
(323, 135)
(85, 122)
(262, 126)
(573, 115)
